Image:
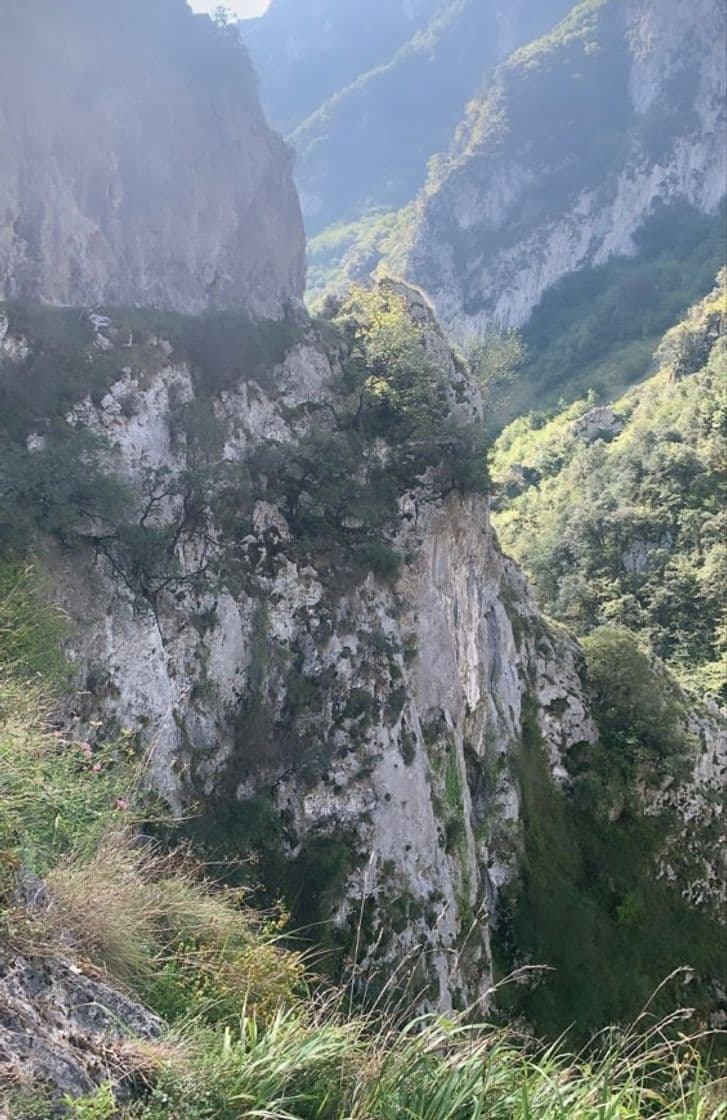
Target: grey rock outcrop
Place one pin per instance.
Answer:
(63, 1031)
(137, 167)
(376, 718)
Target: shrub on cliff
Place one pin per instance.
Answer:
(394, 385)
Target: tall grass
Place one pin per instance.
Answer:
(321, 1065)
(30, 628)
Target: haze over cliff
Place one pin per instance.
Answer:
(368, 93)
(137, 165)
(577, 141)
(501, 148)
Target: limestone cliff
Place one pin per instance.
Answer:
(360, 723)
(137, 167)
(577, 140)
(366, 148)
(374, 719)
(271, 539)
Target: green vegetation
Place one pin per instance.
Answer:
(69, 811)
(388, 426)
(328, 250)
(618, 515)
(362, 162)
(527, 116)
(59, 480)
(30, 629)
(328, 1069)
(598, 328)
(337, 485)
(556, 122)
(494, 359)
(54, 796)
(381, 162)
(358, 39)
(60, 488)
(394, 381)
(538, 82)
(591, 904)
(252, 1032)
(63, 365)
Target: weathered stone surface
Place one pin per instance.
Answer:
(64, 1031)
(137, 167)
(382, 716)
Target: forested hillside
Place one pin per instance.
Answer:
(597, 329)
(305, 53)
(617, 510)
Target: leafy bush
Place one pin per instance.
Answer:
(227, 347)
(63, 365)
(394, 383)
(61, 488)
(63, 482)
(59, 370)
(632, 699)
(380, 558)
(387, 427)
(494, 358)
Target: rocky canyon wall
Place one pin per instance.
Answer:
(137, 167)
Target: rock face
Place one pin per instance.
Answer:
(65, 1030)
(397, 756)
(358, 717)
(558, 163)
(137, 167)
(365, 726)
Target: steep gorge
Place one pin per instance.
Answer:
(287, 590)
(347, 705)
(365, 714)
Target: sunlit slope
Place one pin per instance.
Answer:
(617, 511)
